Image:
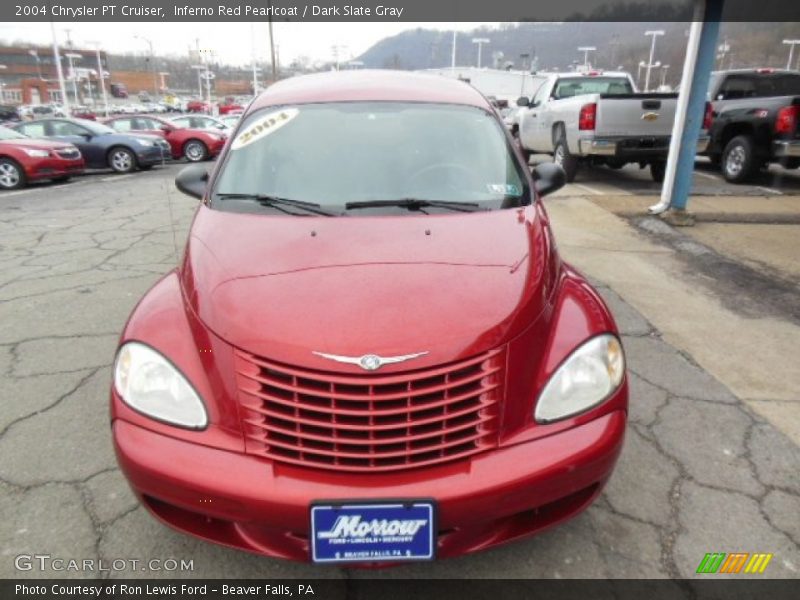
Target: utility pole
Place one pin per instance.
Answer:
(655, 33)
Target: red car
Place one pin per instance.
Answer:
(23, 159)
(230, 108)
(371, 351)
(198, 106)
(194, 145)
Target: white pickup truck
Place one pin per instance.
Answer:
(598, 117)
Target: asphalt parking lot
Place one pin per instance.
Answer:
(703, 468)
(633, 181)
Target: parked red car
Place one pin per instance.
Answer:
(371, 351)
(230, 107)
(23, 159)
(194, 145)
(198, 106)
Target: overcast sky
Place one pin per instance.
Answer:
(232, 42)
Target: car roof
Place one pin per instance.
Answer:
(365, 85)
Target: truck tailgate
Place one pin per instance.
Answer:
(635, 115)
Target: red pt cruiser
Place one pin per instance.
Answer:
(372, 351)
(23, 159)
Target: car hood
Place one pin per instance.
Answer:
(449, 285)
(37, 144)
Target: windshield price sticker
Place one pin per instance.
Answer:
(264, 126)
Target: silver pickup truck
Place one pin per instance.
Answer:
(598, 117)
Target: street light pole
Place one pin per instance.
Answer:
(791, 44)
(586, 50)
(71, 56)
(655, 33)
(59, 70)
(272, 44)
(480, 42)
(453, 53)
(253, 52)
(101, 75)
(199, 69)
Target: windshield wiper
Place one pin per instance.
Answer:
(277, 202)
(416, 204)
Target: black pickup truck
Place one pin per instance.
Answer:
(755, 121)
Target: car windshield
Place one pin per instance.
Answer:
(577, 86)
(335, 155)
(10, 134)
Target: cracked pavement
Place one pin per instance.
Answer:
(700, 471)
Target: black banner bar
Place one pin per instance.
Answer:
(349, 586)
(388, 10)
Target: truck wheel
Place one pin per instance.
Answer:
(738, 160)
(562, 157)
(657, 170)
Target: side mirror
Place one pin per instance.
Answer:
(548, 177)
(165, 128)
(523, 101)
(192, 181)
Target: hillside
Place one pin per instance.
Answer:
(555, 46)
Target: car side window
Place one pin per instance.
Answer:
(143, 123)
(122, 125)
(181, 122)
(540, 95)
(66, 128)
(33, 129)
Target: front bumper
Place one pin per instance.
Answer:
(252, 504)
(633, 148)
(786, 148)
(153, 155)
(52, 168)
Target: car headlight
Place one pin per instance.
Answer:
(150, 384)
(142, 142)
(590, 375)
(36, 153)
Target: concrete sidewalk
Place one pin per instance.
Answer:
(754, 355)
